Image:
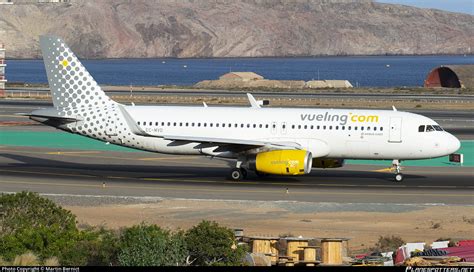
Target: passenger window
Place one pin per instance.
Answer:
(241, 125)
(266, 126)
(260, 126)
(283, 126)
(162, 124)
(169, 124)
(330, 127)
(217, 124)
(375, 128)
(299, 126)
(318, 127)
(305, 126)
(156, 123)
(199, 124)
(349, 128)
(381, 128)
(421, 129)
(337, 127)
(254, 126)
(361, 128)
(324, 127)
(138, 122)
(429, 128)
(343, 127)
(312, 127)
(355, 128)
(293, 126)
(187, 124)
(368, 128)
(192, 124)
(180, 124)
(151, 123)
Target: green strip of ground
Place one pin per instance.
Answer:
(72, 141)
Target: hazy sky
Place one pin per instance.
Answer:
(464, 6)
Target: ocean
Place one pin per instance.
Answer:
(363, 71)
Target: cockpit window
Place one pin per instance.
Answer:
(429, 128)
(421, 128)
(438, 128)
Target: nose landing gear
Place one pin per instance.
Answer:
(398, 174)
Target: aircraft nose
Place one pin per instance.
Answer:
(452, 144)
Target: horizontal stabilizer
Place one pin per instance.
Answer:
(52, 114)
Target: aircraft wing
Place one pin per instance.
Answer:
(226, 144)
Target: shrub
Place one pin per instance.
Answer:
(29, 222)
(144, 245)
(211, 244)
(389, 243)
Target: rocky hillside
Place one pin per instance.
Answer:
(231, 28)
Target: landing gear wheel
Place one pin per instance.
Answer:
(236, 174)
(398, 177)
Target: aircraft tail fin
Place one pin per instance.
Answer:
(71, 84)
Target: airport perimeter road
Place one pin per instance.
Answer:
(276, 94)
(79, 172)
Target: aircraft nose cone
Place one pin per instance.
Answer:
(453, 144)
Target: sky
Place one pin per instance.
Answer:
(464, 6)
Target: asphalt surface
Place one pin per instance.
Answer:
(141, 174)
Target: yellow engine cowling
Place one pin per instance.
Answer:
(327, 163)
(282, 162)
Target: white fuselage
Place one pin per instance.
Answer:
(331, 133)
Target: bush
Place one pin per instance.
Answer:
(93, 247)
(389, 243)
(210, 244)
(29, 222)
(144, 245)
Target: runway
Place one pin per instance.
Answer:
(143, 174)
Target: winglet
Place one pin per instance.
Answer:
(253, 102)
(204, 104)
(394, 109)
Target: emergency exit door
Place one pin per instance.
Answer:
(395, 130)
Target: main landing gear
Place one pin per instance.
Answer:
(238, 174)
(398, 174)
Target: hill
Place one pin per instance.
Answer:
(228, 28)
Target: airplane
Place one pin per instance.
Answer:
(265, 140)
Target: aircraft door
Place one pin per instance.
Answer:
(395, 130)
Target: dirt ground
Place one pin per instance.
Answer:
(413, 223)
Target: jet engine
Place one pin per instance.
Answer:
(281, 162)
(327, 163)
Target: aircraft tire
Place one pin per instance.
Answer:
(236, 174)
(398, 177)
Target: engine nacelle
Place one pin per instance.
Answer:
(328, 163)
(282, 162)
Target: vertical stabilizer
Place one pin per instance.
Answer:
(72, 87)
